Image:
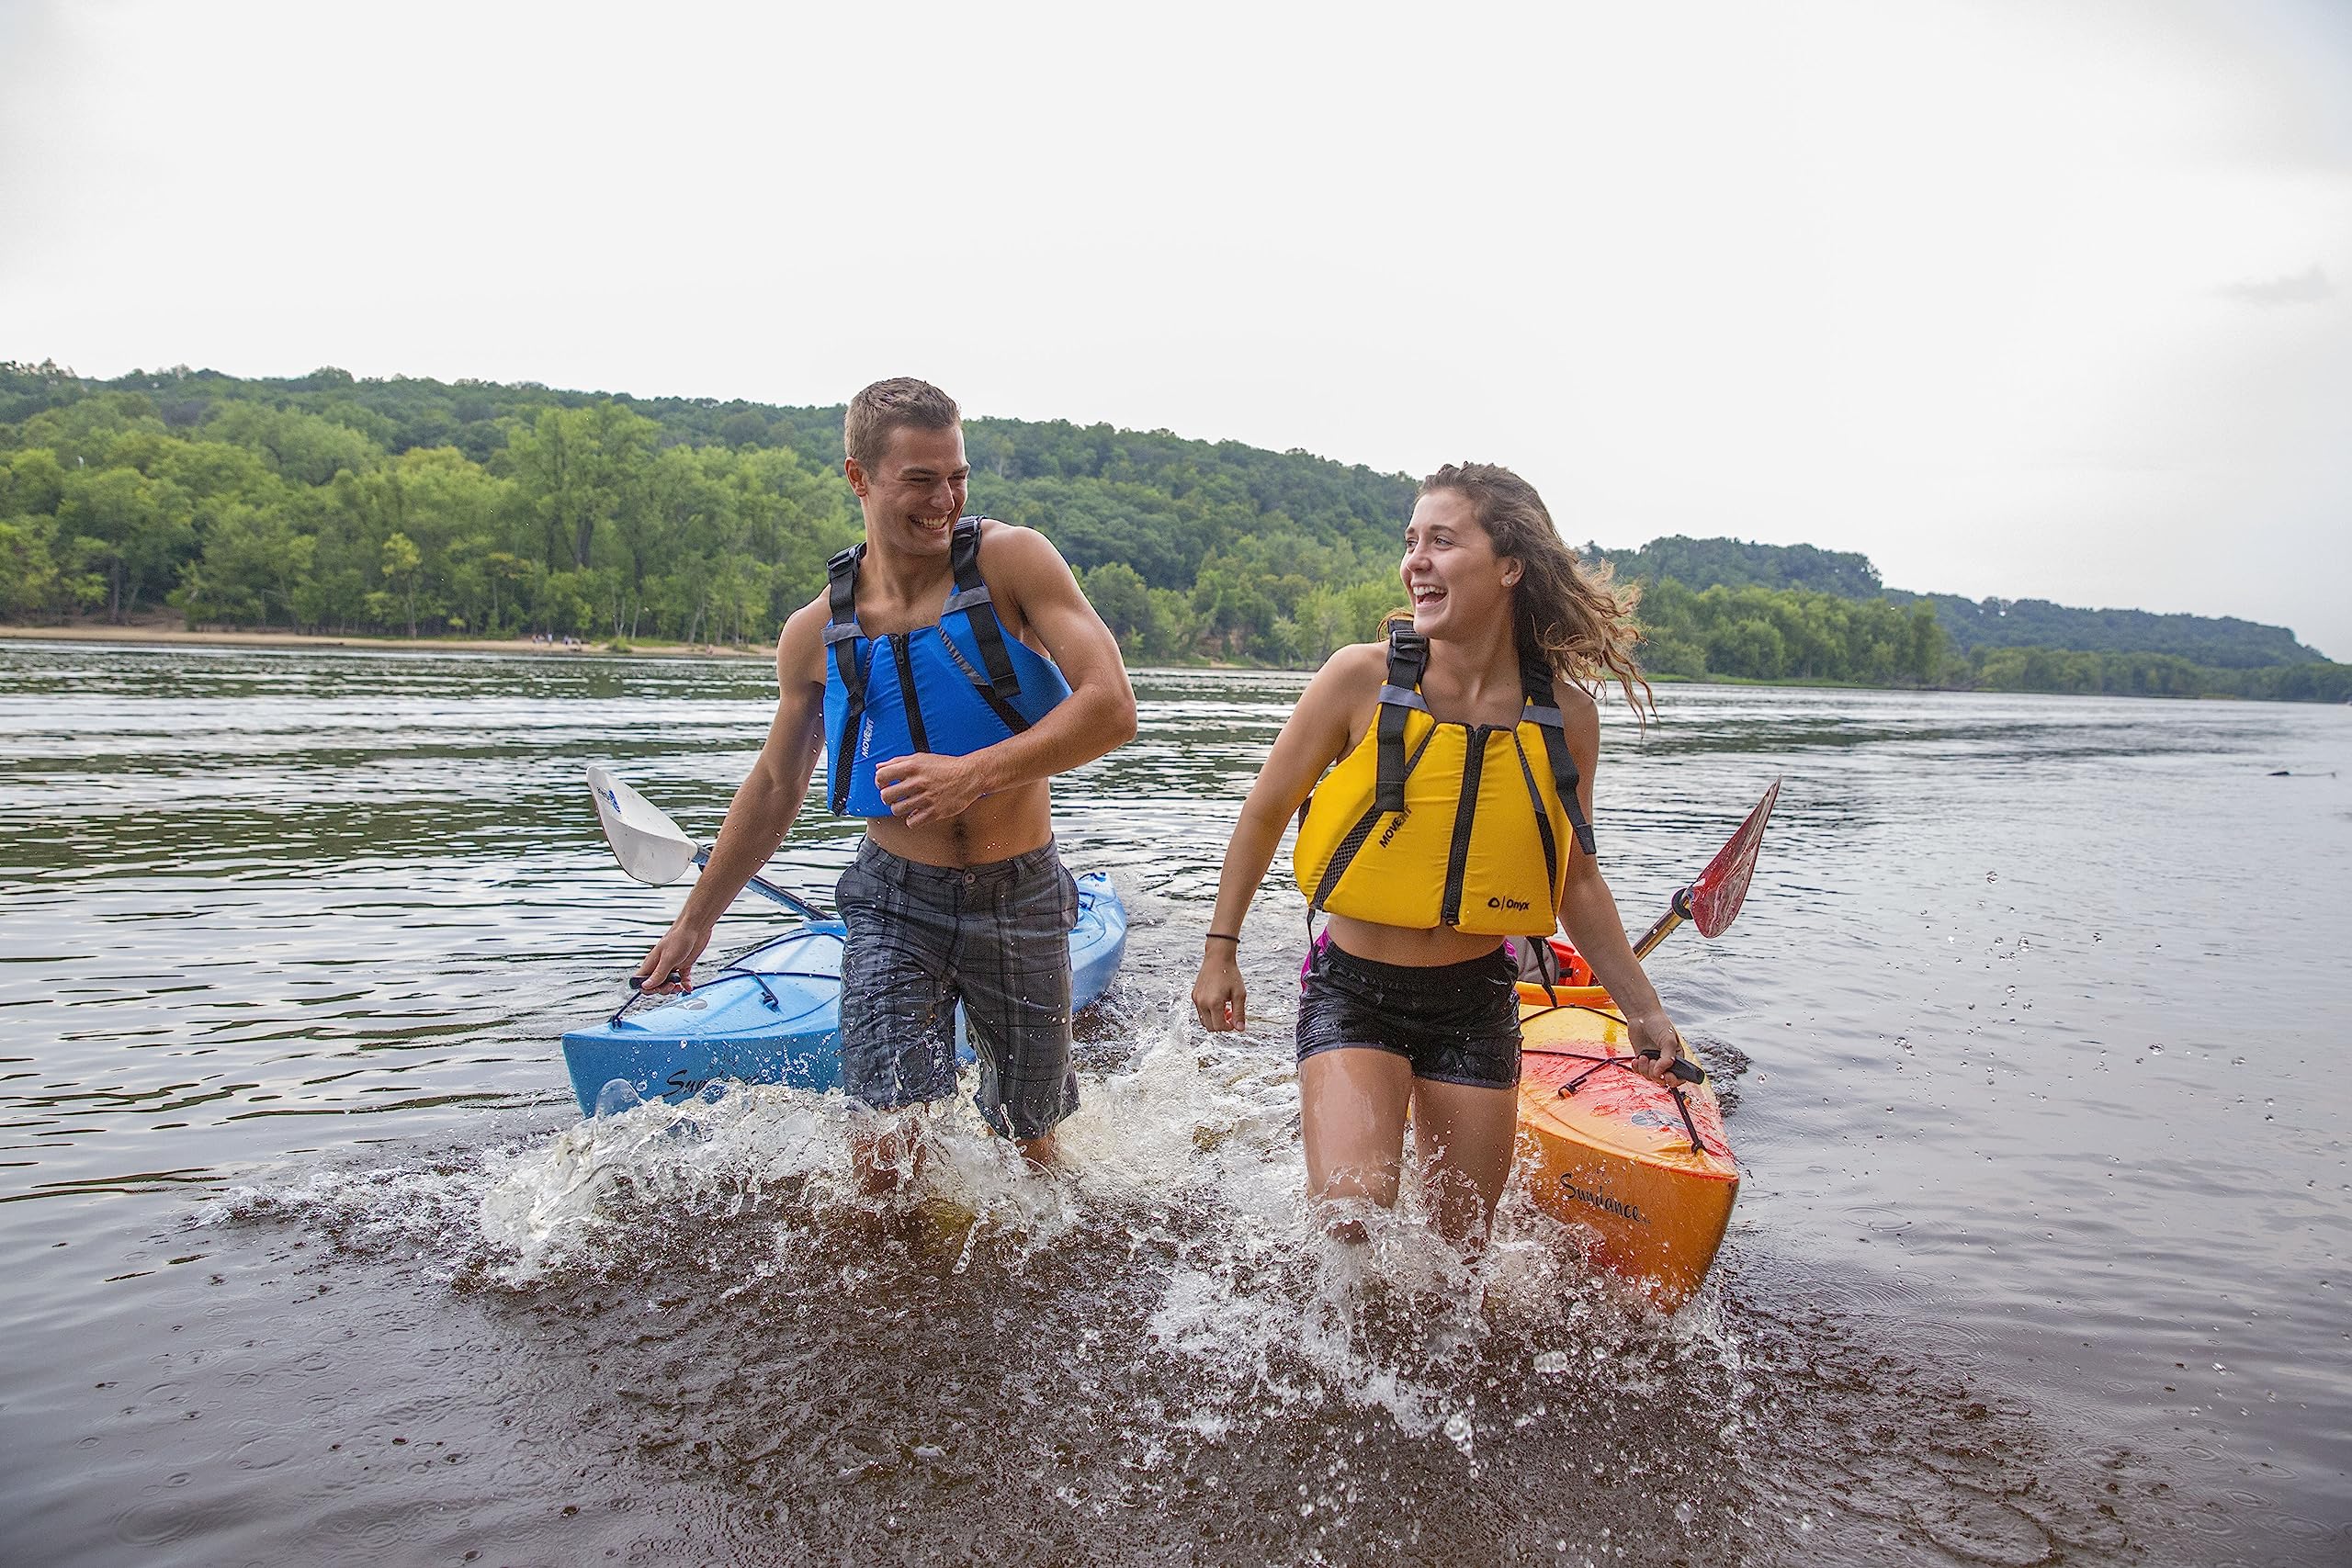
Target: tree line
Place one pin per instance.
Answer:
(2221, 642)
(1795, 634)
(326, 505)
(323, 503)
(2147, 675)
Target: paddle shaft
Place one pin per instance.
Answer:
(759, 885)
(1677, 911)
(768, 890)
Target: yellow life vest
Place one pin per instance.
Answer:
(1429, 823)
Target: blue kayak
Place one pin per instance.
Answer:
(774, 1014)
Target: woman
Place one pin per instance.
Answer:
(1455, 816)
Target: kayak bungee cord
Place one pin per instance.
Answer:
(1682, 1069)
(734, 967)
(1698, 1144)
(1559, 1006)
(774, 1004)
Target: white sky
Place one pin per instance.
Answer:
(2037, 300)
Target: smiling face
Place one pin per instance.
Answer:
(1457, 583)
(915, 490)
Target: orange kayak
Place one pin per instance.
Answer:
(1612, 1152)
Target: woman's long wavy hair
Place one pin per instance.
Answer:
(1568, 617)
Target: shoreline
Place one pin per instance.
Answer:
(169, 636)
(156, 634)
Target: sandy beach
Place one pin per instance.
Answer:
(163, 632)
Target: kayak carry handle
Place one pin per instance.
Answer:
(635, 995)
(1682, 1068)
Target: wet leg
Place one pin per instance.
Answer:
(1466, 1138)
(886, 1155)
(1352, 1103)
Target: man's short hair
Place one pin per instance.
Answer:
(887, 405)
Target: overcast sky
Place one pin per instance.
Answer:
(2036, 300)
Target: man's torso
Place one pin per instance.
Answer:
(996, 827)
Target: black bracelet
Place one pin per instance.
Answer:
(1220, 936)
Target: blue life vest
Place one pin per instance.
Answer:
(949, 688)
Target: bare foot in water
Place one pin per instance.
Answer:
(1044, 1155)
(886, 1158)
(1347, 1231)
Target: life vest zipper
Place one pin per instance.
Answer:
(1466, 808)
(915, 732)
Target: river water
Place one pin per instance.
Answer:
(2030, 1037)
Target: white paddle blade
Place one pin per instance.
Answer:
(650, 846)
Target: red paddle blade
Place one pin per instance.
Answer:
(1716, 897)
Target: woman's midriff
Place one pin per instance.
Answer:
(1414, 949)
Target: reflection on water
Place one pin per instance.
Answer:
(2023, 1031)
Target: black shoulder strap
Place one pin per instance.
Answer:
(1536, 681)
(1408, 655)
(972, 596)
(841, 634)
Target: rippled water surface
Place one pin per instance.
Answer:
(2030, 1034)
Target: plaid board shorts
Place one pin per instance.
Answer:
(995, 937)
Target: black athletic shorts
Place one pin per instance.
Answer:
(1455, 1022)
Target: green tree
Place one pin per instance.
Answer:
(502, 571)
(263, 502)
(1121, 598)
(302, 447)
(253, 562)
(1752, 647)
(1923, 644)
(575, 469)
(402, 560)
(31, 587)
(133, 530)
(31, 482)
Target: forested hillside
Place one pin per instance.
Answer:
(2223, 642)
(323, 503)
(1735, 563)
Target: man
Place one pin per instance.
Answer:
(918, 671)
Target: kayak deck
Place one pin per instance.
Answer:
(1612, 1152)
(773, 1016)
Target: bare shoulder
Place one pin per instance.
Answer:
(1579, 718)
(801, 647)
(1349, 680)
(1358, 664)
(1017, 551)
(1577, 706)
(1013, 544)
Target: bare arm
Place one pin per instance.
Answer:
(1588, 910)
(1028, 577)
(765, 806)
(1316, 735)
